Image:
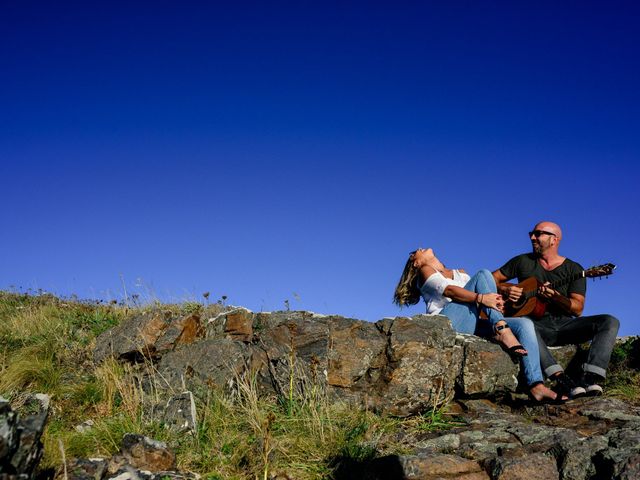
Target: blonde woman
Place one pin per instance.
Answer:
(452, 292)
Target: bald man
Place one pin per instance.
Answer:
(561, 324)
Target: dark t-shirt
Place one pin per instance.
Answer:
(526, 265)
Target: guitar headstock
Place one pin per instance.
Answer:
(600, 270)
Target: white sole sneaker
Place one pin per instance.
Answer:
(594, 390)
(577, 392)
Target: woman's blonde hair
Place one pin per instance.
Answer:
(407, 292)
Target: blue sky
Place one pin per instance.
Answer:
(298, 151)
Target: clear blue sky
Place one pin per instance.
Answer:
(298, 151)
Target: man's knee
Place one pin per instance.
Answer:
(609, 323)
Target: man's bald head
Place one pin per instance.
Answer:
(550, 227)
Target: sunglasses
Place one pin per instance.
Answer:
(538, 233)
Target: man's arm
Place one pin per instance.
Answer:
(573, 304)
(507, 290)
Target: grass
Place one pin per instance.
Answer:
(623, 379)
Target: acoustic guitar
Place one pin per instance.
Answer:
(530, 305)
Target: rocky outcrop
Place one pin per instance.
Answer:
(397, 365)
(577, 440)
(400, 366)
(149, 335)
(486, 369)
(20, 445)
(513, 440)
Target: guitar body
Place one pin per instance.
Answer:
(529, 305)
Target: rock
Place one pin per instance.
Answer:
(130, 473)
(235, 324)
(86, 469)
(8, 432)
(482, 441)
(20, 444)
(484, 369)
(84, 426)
(147, 336)
(442, 442)
(180, 331)
(565, 355)
(423, 362)
(576, 459)
(562, 441)
(140, 458)
(180, 413)
(216, 362)
(143, 453)
(609, 409)
(537, 465)
(294, 345)
(434, 466)
(355, 355)
(621, 460)
(398, 366)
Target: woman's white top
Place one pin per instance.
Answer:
(432, 289)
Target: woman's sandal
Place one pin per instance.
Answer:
(517, 351)
(559, 400)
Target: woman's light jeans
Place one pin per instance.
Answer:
(464, 319)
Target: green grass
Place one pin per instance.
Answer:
(437, 420)
(623, 379)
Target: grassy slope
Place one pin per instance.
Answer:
(46, 345)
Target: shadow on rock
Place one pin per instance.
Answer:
(382, 468)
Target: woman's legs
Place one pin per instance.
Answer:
(526, 334)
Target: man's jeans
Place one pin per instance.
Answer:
(464, 319)
(600, 330)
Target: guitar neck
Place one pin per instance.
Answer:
(568, 279)
(593, 272)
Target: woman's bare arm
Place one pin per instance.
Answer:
(459, 294)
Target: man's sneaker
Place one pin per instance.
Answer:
(566, 386)
(590, 383)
